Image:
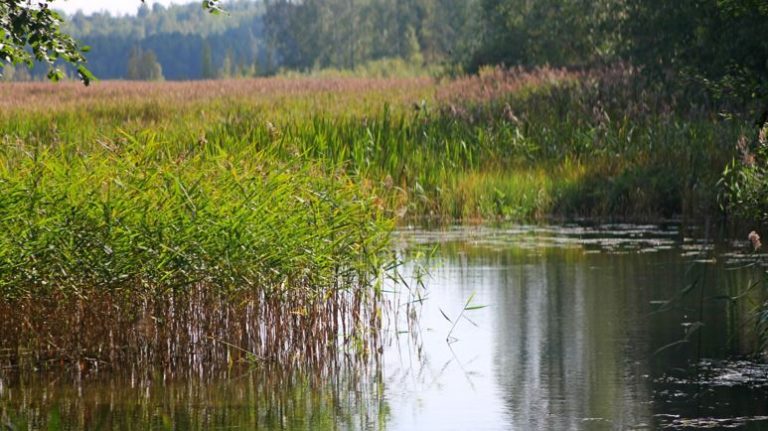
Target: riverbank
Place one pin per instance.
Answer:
(285, 190)
(505, 144)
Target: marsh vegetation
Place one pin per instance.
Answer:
(242, 229)
(279, 195)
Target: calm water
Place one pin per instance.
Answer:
(566, 329)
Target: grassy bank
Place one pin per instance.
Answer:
(503, 144)
(230, 182)
(135, 233)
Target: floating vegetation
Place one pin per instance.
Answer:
(724, 373)
(717, 389)
(672, 422)
(604, 238)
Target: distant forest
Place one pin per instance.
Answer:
(718, 43)
(257, 38)
(184, 40)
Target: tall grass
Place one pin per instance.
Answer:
(287, 188)
(610, 144)
(205, 240)
(148, 213)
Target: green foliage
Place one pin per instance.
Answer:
(184, 19)
(38, 28)
(157, 209)
(32, 32)
(745, 180)
(715, 48)
(148, 214)
(341, 34)
(382, 68)
(144, 66)
(554, 32)
(207, 69)
(238, 184)
(720, 45)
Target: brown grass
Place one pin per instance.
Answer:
(47, 96)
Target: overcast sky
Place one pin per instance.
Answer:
(115, 7)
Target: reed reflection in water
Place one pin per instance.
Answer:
(259, 398)
(569, 339)
(193, 360)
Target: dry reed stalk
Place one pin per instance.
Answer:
(199, 333)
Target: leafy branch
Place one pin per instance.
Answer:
(31, 31)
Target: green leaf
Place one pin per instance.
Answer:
(55, 75)
(85, 75)
(445, 315)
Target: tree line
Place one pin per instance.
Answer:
(717, 44)
(720, 44)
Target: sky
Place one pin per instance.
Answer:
(115, 7)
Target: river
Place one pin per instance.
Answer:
(513, 328)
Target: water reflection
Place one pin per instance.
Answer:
(255, 399)
(578, 329)
(618, 327)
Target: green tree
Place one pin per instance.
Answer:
(555, 32)
(720, 45)
(412, 48)
(206, 62)
(227, 66)
(31, 31)
(143, 66)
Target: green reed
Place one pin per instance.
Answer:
(145, 212)
(248, 183)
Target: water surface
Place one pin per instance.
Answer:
(606, 327)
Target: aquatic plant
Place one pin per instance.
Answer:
(509, 144)
(743, 184)
(141, 235)
(286, 189)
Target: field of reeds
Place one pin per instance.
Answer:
(128, 236)
(283, 192)
(509, 144)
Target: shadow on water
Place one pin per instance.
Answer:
(612, 327)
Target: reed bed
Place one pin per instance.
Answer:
(196, 334)
(283, 191)
(45, 97)
(188, 237)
